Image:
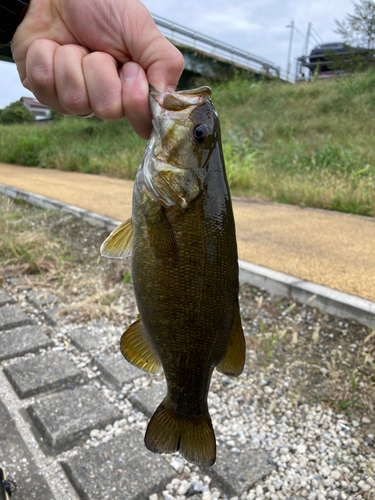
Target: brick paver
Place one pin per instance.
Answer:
(116, 370)
(12, 317)
(19, 341)
(42, 373)
(119, 470)
(147, 400)
(5, 298)
(65, 419)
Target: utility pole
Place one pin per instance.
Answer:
(290, 48)
(307, 40)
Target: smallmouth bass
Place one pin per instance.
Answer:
(182, 242)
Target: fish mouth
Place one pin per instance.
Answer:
(179, 104)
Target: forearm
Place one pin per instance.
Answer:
(11, 14)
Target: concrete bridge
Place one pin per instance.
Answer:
(203, 55)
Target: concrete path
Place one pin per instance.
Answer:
(327, 248)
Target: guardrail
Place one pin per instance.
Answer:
(214, 48)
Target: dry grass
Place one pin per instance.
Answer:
(331, 361)
(44, 250)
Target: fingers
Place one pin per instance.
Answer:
(167, 65)
(40, 73)
(71, 80)
(135, 90)
(161, 60)
(71, 91)
(103, 85)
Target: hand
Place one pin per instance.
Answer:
(83, 56)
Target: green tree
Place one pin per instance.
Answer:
(16, 113)
(358, 29)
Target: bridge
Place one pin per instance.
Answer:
(209, 57)
(203, 55)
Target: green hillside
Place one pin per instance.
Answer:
(310, 144)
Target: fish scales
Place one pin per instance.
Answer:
(184, 270)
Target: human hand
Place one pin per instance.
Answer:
(83, 56)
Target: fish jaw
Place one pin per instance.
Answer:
(168, 173)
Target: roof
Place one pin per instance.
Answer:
(32, 102)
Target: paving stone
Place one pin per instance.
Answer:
(5, 298)
(51, 316)
(149, 399)
(42, 373)
(84, 339)
(116, 370)
(122, 469)
(22, 340)
(41, 298)
(65, 418)
(12, 317)
(235, 473)
(18, 462)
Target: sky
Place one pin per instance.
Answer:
(256, 26)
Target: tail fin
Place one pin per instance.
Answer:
(194, 438)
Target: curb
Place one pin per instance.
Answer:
(326, 299)
(50, 204)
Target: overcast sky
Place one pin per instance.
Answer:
(257, 26)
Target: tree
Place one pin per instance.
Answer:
(16, 113)
(358, 29)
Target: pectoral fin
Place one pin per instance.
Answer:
(136, 349)
(161, 236)
(119, 243)
(234, 358)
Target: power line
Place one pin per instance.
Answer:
(320, 38)
(314, 37)
(298, 31)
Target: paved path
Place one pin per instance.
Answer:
(331, 249)
(50, 406)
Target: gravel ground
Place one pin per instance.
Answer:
(306, 395)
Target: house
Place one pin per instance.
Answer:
(40, 111)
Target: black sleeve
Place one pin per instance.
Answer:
(11, 14)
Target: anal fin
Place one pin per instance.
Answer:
(234, 358)
(136, 349)
(119, 243)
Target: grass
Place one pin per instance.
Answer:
(309, 144)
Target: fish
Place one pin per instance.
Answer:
(184, 267)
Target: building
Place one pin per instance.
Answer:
(40, 111)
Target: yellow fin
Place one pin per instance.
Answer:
(137, 350)
(194, 438)
(119, 243)
(234, 358)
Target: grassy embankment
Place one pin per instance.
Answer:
(311, 144)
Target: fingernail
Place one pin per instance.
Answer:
(130, 71)
(170, 89)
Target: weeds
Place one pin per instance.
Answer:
(341, 376)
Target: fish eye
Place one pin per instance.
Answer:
(200, 132)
